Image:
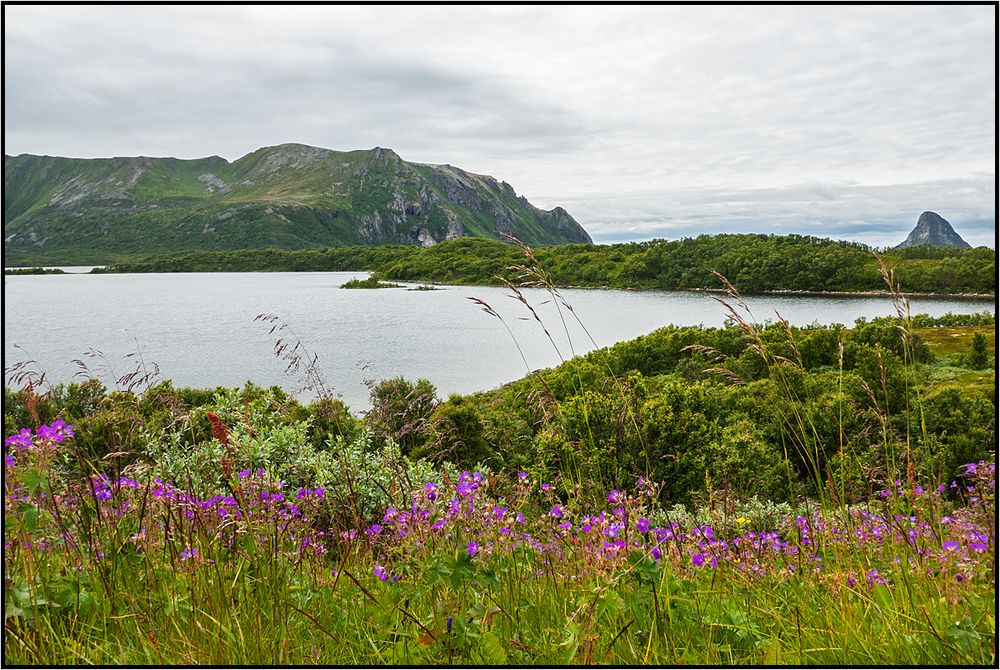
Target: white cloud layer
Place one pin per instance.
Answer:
(659, 121)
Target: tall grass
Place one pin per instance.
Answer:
(136, 572)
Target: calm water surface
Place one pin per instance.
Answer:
(200, 329)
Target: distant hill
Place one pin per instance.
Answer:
(932, 229)
(291, 196)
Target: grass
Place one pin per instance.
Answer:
(130, 572)
(956, 340)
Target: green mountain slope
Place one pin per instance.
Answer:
(292, 196)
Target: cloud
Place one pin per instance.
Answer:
(724, 116)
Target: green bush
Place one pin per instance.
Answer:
(400, 411)
(978, 358)
(456, 434)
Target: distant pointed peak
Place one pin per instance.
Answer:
(934, 230)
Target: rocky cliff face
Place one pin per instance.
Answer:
(290, 196)
(934, 230)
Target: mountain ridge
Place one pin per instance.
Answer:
(291, 195)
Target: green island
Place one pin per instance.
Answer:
(370, 282)
(754, 263)
(33, 271)
(751, 494)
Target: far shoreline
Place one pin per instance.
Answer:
(105, 270)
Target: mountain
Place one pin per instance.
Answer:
(292, 196)
(934, 230)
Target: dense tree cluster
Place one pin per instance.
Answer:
(753, 263)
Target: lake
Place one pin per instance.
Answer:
(200, 328)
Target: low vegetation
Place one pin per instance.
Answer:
(752, 494)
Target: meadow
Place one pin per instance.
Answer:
(753, 494)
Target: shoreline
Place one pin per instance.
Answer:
(881, 293)
(777, 292)
(852, 294)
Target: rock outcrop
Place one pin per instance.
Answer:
(934, 230)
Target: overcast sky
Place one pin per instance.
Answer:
(642, 122)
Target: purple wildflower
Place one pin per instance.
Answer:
(556, 511)
(430, 490)
(874, 577)
(950, 545)
(61, 430)
(545, 486)
(21, 440)
(698, 560)
(9, 460)
(615, 496)
(642, 525)
(472, 549)
(380, 572)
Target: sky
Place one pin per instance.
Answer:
(643, 122)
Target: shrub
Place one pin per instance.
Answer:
(400, 410)
(456, 433)
(977, 358)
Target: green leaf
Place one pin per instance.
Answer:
(33, 479)
(610, 602)
(646, 568)
(492, 650)
(29, 517)
(963, 635)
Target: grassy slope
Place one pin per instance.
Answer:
(291, 196)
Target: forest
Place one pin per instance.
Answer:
(753, 263)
